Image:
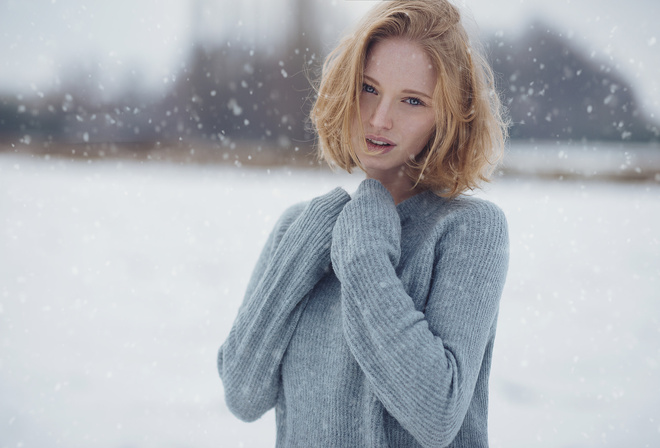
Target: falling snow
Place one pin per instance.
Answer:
(119, 281)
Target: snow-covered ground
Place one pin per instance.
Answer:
(119, 281)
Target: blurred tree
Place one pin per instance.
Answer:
(554, 92)
(244, 88)
(232, 88)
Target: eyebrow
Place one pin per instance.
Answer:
(409, 91)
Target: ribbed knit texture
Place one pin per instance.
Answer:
(368, 324)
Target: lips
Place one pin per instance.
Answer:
(379, 144)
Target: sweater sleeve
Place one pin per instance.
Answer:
(423, 367)
(292, 262)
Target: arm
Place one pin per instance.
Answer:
(422, 366)
(249, 360)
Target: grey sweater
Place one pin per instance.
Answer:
(367, 324)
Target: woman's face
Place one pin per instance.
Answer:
(396, 107)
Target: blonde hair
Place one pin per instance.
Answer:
(470, 130)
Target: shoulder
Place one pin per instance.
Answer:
(467, 219)
(291, 213)
(471, 233)
(477, 210)
(463, 209)
(287, 218)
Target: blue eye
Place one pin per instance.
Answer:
(414, 101)
(367, 88)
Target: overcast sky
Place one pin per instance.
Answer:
(41, 39)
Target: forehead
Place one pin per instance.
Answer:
(400, 61)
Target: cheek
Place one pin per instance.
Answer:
(420, 132)
(427, 126)
(420, 127)
(366, 106)
(357, 128)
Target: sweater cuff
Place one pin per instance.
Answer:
(368, 227)
(327, 206)
(308, 238)
(372, 213)
(371, 188)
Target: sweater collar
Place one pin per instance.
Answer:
(418, 205)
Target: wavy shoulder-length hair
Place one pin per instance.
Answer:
(470, 127)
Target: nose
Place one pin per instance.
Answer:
(381, 116)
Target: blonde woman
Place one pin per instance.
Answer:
(369, 320)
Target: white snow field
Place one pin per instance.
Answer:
(119, 281)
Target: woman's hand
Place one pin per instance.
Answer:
(368, 226)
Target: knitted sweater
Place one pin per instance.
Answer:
(367, 324)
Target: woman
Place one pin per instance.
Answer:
(369, 320)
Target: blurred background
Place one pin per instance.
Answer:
(233, 82)
(147, 147)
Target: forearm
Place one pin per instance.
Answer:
(422, 366)
(249, 359)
